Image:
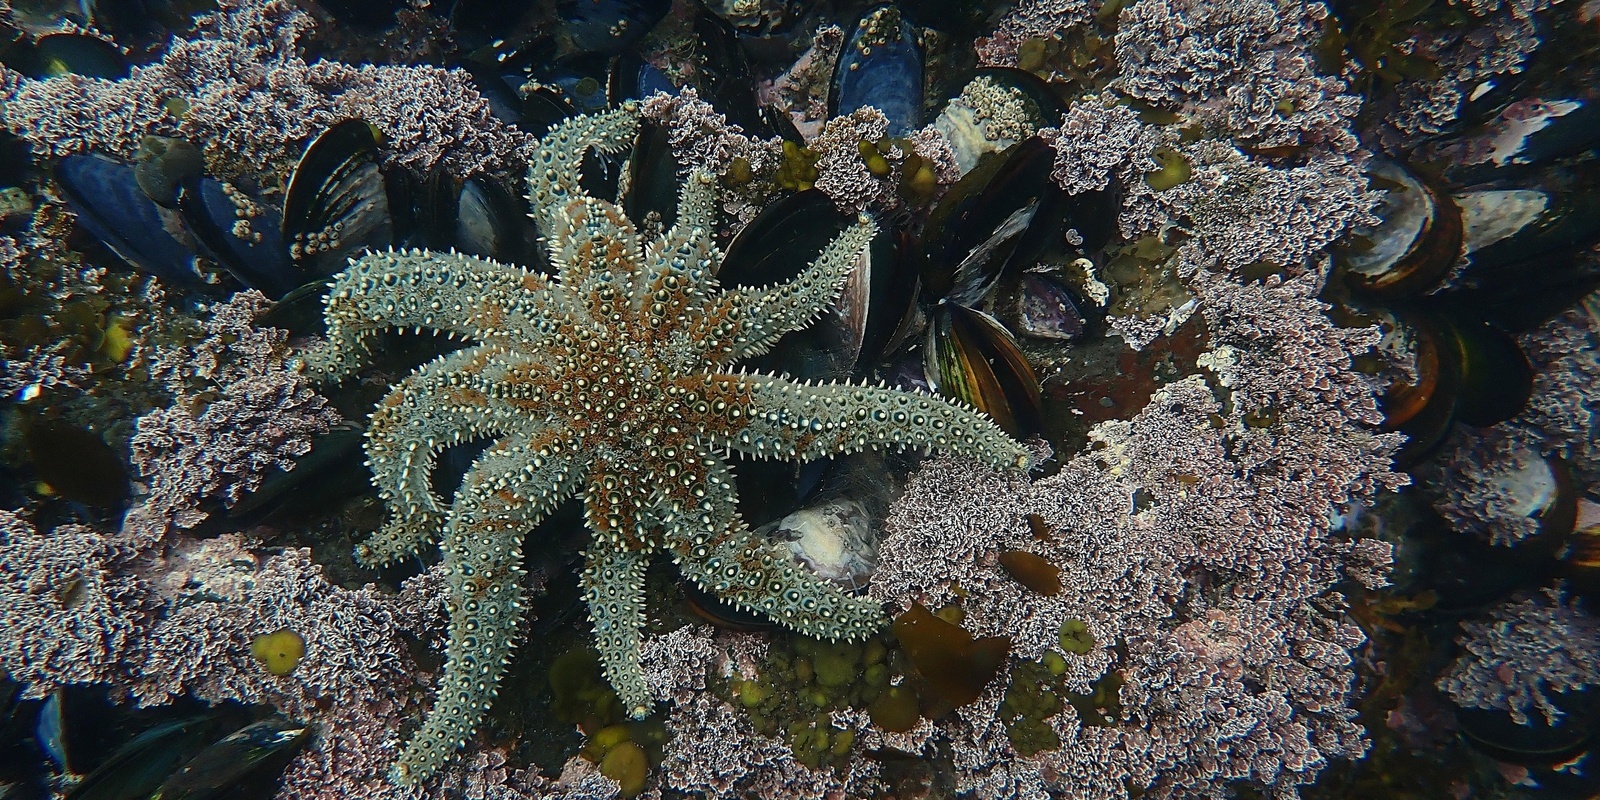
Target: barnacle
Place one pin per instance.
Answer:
(615, 381)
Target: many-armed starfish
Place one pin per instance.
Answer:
(613, 381)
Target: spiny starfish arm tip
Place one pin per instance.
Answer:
(499, 500)
(451, 293)
(780, 418)
(613, 586)
(772, 311)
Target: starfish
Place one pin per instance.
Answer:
(613, 380)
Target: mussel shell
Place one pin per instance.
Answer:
(1042, 306)
(881, 66)
(1531, 226)
(1496, 378)
(76, 463)
(260, 262)
(1525, 135)
(956, 17)
(1580, 561)
(138, 767)
(969, 135)
(721, 613)
(608, 26)
(1424, 410)
(971, 357)
(1417, 243)
(782, 240)
(653, 181)
(477, 216)
(300, 312)
(972, 232)
(1497, 735)
(364, 15)
(163, 165)
(723, 74)
(331, 471)
(222, 769)
(111, 207)
(337, 189)
(68, 54)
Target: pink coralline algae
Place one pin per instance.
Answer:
(1242, 210)
(242, 89)
(1100, 140)
(1526, 656)
(1252, 684)
(69, 608)
(1030, 19)
(260, 415)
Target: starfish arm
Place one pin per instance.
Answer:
(772, 311)
(445, 402)
(553, 176)
(447, 292)
(591, 242)
(508, 490)
(613, 584)
(776, 418)
(683, 261)
(715, 549)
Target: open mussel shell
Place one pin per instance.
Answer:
(1496, 378)
(336, 201)
(881, 66)
(1537, 744)
(112, 207)
(1413, 247)
(1043, 305)
(137, 768)
(994, 216)
(971, 357)
(231, 764)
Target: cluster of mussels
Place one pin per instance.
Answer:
(1486, 236)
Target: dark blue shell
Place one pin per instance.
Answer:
(261, 262)
(881, 66)
(112, 208)
(609, 26)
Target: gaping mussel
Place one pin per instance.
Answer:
(161, 213)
